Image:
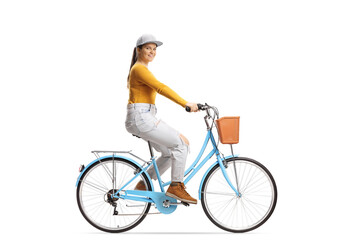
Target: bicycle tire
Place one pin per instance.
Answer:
(259, 205)
(100, 195)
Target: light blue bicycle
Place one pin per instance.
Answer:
(237, 194)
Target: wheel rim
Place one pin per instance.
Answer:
(247, 211)
(94, 202)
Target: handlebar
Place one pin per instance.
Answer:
(207, 108)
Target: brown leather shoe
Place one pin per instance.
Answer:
(140, 186)
(177, 191)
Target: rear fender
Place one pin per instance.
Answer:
(116, 157)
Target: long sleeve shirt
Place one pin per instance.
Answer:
(144, 86)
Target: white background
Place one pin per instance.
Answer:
(288, 68)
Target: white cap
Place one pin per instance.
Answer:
(147, 38)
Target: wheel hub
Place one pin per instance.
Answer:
(109, 195)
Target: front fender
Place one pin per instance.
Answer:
(111, 156)
(211, 167)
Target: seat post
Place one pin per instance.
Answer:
(151, 151)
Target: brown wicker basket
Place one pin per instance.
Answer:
(228, 129)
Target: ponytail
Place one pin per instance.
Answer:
(133, 61)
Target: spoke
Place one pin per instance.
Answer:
(247, 181)
(259, 205)
(256, 186)
(221, 193)
(92, 197)
(114, 175)
(242, 175)
(265, 190)
(232, 215)
(95, 186)
(124, 175)
(246, 215)
(254, 212)
(258, 195)
(99, 182)
(107, 170)
(223, 208)
(216, 203)
(96, 211)
(95, 205)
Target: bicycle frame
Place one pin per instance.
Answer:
(192, 170)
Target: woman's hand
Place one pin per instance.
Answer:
(193, 107)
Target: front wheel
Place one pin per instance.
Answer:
(249, 210)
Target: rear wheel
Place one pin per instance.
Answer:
(254, 206)
(95, 195)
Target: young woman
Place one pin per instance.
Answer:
(141, 120)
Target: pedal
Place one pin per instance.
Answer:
(185, 204)
(179, 203)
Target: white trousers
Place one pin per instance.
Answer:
(141, 121)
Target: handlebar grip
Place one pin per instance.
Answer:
(200, 107)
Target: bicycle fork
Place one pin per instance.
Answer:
(226, 176)
(223, 167)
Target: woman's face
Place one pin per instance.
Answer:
(147, 53)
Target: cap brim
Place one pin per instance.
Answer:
(158, 43)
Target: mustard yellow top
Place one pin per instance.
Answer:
(143, 87)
